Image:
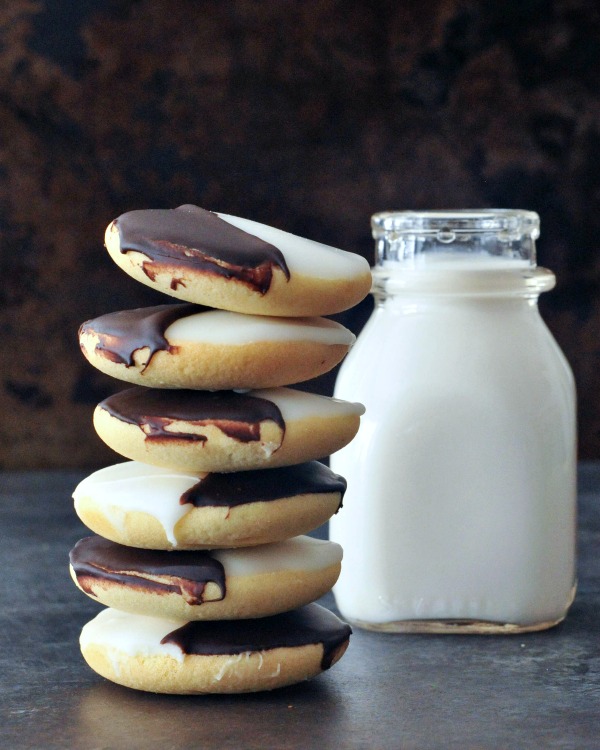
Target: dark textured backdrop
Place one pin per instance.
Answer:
(304, 114)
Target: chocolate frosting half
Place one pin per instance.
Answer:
(193, 239)
(242, 487)
(121, 334)
(187, 573)
(237, 415)
(308, 625)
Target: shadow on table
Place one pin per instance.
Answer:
(118, 717)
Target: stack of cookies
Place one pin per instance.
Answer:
(200, 551)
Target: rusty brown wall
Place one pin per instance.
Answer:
(306, 114)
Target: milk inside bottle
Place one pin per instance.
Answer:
(460, 509)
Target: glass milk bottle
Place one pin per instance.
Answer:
(460, 509)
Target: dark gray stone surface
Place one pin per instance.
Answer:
(389, 691)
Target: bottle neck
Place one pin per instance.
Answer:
(414, 238)
(479, 252)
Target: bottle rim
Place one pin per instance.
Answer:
(447, 224)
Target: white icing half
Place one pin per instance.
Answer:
(134, 635)
(223, 327)
(304, 256)
(133, 486)
(296, 405)
(298, 553)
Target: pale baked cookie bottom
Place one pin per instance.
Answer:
(211, 527)
(304, 440)
(237, 673)
(248, 596)
(301, 295)
(262, 364)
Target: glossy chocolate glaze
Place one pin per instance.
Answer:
(242, 487)
(95, 558)
(237, 415)
(191, 239)
(121, 334)
(308, 625)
